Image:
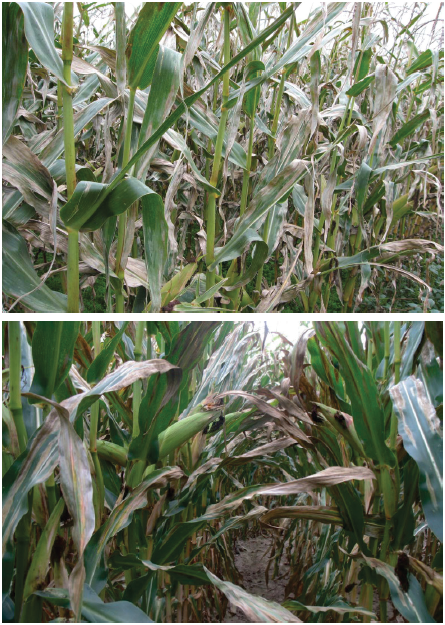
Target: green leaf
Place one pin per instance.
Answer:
(175, 285)
(258, 208)
(183, 573)
(14, 64)
(253, 70)
(52, 351)
(299, 48)
(20, 279)
(160, 100)
(155, 231)
(422, 437)
(360, 86)
(153, 20)
(40, 562)
(94, 610)
(39, 30)
(31, 468)
(422, 61)
(175, 542)
(188, 102)
(409, 127)
(54, 143)
(411, 604)
(91, 204)
(99, 366)
(361, 189)
(367, 410)
(120, 518)
(364, 58)
(411, 344)
(98, 196)
(185, 352)
(207, 294)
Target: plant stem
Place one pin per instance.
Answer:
(387, 347)
(276, 117)
(211, 212)
(121, 42)
(397, 362)
(23, 539)
(397, 359)
(137, 386)
(119, 269)
(246, 174)
(15, 375)
(59, 105)
(51, 492)
(70, 155)
(94, 422)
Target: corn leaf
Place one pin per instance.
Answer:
(41, 560)
(52, 351)
(369, 418)
(14, 65)
(257, 609)
(410, 604)
(30, 469)
(39, 30)
(119, 518)
(99, 366)
(155, 230)
(142, 48)
(422, 438)
(94, 610)
(20, 279)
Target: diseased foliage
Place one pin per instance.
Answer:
(124, 492)
(223, 157)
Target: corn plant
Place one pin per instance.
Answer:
(229, 157)
(136, 454)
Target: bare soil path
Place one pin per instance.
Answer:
(251, 562)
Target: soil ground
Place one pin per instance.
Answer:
(251, 559)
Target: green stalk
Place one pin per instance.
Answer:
(276, 117)
(59, 105)
(397, 359)
(387, 345)
(121, 42)
(211, 207)
(94, 422)
(23, 539)
(15, 374)
(70, 155)
(137, 386)
(397, 362)
(51, 492)
(369, 355)
(122, 224)
(391, 483)
(136, 469)
(23, 531)
(246, 174)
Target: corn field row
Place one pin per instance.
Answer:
(138, 455)
(221, 157)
